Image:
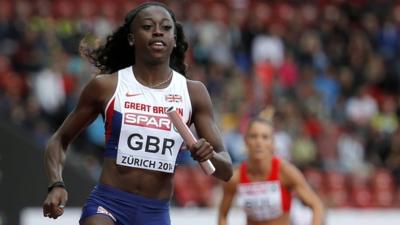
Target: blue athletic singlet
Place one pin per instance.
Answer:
(138, 133)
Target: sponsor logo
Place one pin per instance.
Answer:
(104, 211)
(132, 94)
(173, 98)
(143, 120)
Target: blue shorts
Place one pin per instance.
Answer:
(125, 208)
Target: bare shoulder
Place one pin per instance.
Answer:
(105, 81)
(194, 84)
(103, 87)
(290, 174)
(199, 95)
(196, 87)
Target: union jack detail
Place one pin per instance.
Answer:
(173, 98)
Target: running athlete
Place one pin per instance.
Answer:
(263, 184)
(145, 75)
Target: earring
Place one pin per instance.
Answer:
(175, 41)
(131, 39)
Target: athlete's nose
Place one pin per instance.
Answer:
(157, 31)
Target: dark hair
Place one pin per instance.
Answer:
(116, 53)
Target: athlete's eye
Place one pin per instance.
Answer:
(167, 27)
(146, 27)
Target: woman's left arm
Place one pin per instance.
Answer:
(295, 180)
(210, 145)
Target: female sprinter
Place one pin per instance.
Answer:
(142, 74)
(264, 183)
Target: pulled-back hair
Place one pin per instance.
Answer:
(117, 54)
(265, 117)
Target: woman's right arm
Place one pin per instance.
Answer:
(88, 108)
(229, 192)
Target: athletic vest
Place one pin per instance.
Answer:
(137, 130)
(263, 200)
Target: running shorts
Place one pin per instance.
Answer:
(125, 208)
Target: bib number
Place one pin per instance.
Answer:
(147, 152)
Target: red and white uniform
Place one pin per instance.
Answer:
(263, 200)
(138, 132)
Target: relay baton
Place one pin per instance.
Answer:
(188, 137)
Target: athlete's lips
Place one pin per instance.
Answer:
(157, 42)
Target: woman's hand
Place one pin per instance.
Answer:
(202, 150)
(53, 206)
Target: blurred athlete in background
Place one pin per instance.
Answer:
(264, 183)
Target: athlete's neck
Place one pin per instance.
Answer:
(259, 167)
(153, 75)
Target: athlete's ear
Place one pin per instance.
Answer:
(131, 39)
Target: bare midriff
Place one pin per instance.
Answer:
(147, 183)
(282, 220)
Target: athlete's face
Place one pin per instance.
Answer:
(260, 140)
(152, 32)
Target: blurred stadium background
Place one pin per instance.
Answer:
(329, 68)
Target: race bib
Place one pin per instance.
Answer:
(261, 200)
(153, 147)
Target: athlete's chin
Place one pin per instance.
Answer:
(160, 52)
(259, 157)
(158, 58)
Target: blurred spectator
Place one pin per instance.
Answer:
(327, 85)
(326, 145)
(283, 140)
(351, 152)
(385, 121)
(361, 108)
(233, 139)
(304, 151)
(49, 89)
(268, 47)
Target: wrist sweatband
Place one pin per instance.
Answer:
(56, 184)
